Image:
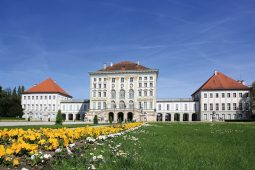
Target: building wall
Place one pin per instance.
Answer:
(226, 104)
(41, 106)
(167, 109)
(143, 84)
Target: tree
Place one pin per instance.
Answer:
(95, 120)
(253, 99)
(14, 92)
(59, 119)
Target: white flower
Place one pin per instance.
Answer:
(102, 137)
(94, 158)
(93, 167)
(100, 157)
(32, 157)
(72, 145)
(69, 151)
(90, 139)
(58, 150)
(24, 169)
(47, 156)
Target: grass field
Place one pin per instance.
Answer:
(172, 146)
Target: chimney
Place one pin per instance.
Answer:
(104, 66)
(138, 63)
(215, 72)
(111, 64)
(35, 85)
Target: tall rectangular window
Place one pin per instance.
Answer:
(229, 106)
(205, 106)
(234, 94)
(240, 106)
(167, 107)
(159, 107)
(223, 106)
(176, 107)
(131, 79)
(122, 79)
(211, 95)
(217, 106)
(211, 106)
(234, 106)
(205, 95)
(223, 95)
(113, 80)
(240, 94)
(186, 107)
(217, 95)
(228, 95)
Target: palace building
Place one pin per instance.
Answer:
(127, 91)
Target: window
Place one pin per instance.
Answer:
(205, 106)
(113, 106)
(32, 97)
(24, 97)
(217, 106)
(140, 93)
(145, 92)
(246, 106)
(145, 105)
(54, 97)
(104, 94)
(234, 94)
(99, 105)
(140, 78)
(151, 105)
(211, 106)
(122, 79)
(205, 95)
(176, 107)
(186, 107)
(41, 97)
(131, 79)
(151, 93)
(229, 107)
(122, 105)
(223, 106)
(223, 95)
(36, 97)
(99, 94)
(145, 84)
(122, 94)
(140, 84)
(159, 107)
(234, 106)
(104, 85)
(95, 79)
(99, 86)
(151, 78)
(131, 94)
(49, 97)
(145, 78)
(228, 95)
(240, 94)
(94, 93)
(211, 95)
(113, 80)
(217, 95)
(113, 94)
(131, 104)
(240, 106)
(104, 79)
(167, 107)
(28, 97)
(99, 79)
(140, 105)
(151, 84)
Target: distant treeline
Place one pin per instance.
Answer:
(10, 102)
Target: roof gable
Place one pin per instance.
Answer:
(220, 81)
(47, 86)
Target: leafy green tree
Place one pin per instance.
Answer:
(59, 119)
(14, 92)
(95, 120)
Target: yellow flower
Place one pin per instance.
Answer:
(9, 151)
(15, 162)
(2, 151)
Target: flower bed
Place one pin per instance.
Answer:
(17, 145)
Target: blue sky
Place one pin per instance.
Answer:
(185, 40)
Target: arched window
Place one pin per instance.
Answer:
(131, 93)
(113, 106)
(131, 104)
(113, 94)
(122, 94)
(122, 105)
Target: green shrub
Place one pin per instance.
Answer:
(110, 119)
(95, 120)
(59, 119)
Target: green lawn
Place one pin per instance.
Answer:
(172, 146)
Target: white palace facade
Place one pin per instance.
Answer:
(127, 91)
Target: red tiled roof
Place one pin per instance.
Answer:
(124, 65)
(47, 86)
(220, 81)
